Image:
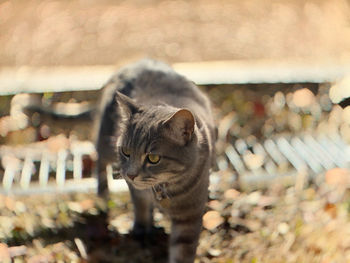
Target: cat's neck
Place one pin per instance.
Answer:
(192, 177)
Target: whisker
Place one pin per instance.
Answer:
(165, 191)
(167, 194)
(116, 175)
(149, 180)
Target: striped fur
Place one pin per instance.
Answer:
(148, 108)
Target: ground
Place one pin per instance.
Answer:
(281, 224)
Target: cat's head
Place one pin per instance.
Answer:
(155, 144)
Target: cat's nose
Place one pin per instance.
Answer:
(132, 171)
(131, 175)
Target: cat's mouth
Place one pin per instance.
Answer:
(141, 183)
(138, 182)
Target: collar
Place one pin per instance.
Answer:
(161, 195)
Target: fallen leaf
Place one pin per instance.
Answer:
(338, 177)
(215, 205)
(331, 209)
(4, 253)
(214, 252)
(212, 220)
(283, 228)
(231, 194)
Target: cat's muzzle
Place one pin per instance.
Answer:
(117, 175)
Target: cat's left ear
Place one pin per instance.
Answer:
(180, 127)
(125, 103)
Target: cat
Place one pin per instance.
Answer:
(157, 129)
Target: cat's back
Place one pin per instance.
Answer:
(140, 77)
(151, 81)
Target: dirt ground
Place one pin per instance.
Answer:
(278, 225)
(51, 33)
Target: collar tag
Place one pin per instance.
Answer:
(161, 195)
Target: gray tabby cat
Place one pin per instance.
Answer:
(157, 129)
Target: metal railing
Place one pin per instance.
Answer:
(33, 169)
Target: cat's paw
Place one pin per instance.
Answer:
(140, 231)
(146, 235)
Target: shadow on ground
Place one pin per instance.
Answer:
(101, 244)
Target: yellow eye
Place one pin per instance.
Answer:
(126, 151)
(153, 158)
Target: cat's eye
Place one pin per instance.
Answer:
(126, 151)
(153, 158)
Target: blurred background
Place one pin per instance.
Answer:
(277, 73)
(51, 33)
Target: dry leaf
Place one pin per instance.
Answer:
(212, 220)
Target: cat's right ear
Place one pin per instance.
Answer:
(180, 127)
(126, 104)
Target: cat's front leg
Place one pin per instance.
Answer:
(143, 211)
(184, 239)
